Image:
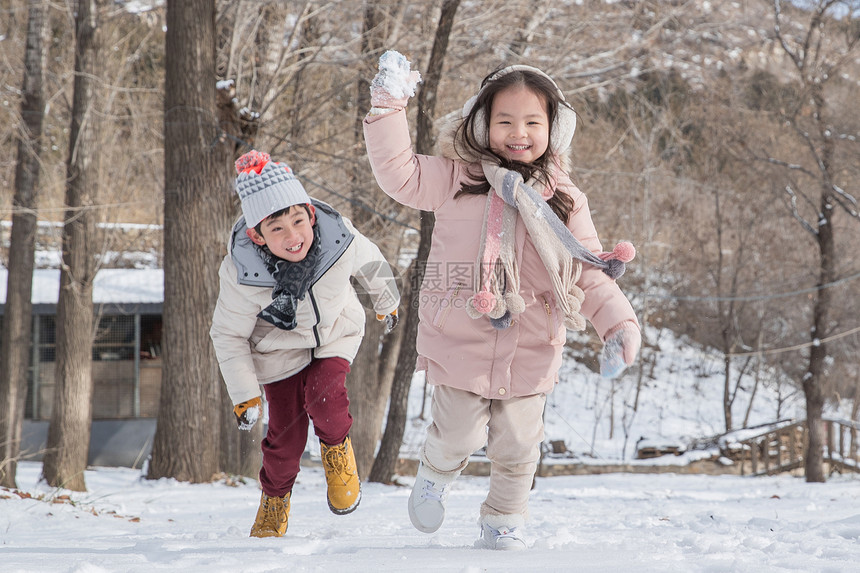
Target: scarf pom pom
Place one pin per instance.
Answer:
(470, 310)
(614, 268)
(502, 322)
(515, 302)
(574, 322)
(573, 302)
(624, 252)
(483, 301)
(499, 310)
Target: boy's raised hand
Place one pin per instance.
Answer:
(395, 83)
(620, 349)
(248, 412)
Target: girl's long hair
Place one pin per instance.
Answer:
(469, 145)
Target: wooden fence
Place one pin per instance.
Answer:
(782, 449)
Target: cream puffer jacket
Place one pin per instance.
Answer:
(330, 318)
(455, 349)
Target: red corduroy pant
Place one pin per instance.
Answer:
(317, 393)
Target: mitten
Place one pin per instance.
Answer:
(620, 349)
(390, 320)
(248, 412)
(395, 83)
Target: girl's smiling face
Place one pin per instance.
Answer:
(289, 235)
(519, 124)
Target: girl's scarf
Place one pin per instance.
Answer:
(292, 281)
(562, 254)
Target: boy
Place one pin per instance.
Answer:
(288, 318)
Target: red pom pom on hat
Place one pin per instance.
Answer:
(266, 186)
(252, 161)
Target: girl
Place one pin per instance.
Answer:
(504, 278)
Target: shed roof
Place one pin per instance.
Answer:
(121, 287)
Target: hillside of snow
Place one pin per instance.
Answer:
(681, 403)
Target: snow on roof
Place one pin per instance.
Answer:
(112, 286)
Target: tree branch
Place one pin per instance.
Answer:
(796, 213)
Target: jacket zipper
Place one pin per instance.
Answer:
(548, 317)
(315, 329)
(442, 315)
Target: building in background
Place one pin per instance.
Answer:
(126, 363)
(126, 344)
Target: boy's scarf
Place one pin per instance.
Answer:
(562, 254)
(292, 281)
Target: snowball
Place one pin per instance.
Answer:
(394, 75)
(252, 415)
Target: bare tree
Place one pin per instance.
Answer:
(17, 319)
(389, 450)
(730, 244)
(369, 383)
(69, 431)
(815, 185)
(197, 208)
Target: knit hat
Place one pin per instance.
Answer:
(266, 187)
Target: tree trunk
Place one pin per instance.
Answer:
(813, 381)
(18, 319)
(389, 450)
(814, 378)
(727, 389)
(240, 450)
(71, 417)
(756, 382)
(196, 220)
(367, 390)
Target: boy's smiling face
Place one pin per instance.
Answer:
(288, 235)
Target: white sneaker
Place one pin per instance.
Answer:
(428, 498)
(495, 534)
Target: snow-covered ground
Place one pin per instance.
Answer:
(610, 522)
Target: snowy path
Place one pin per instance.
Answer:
(615, 522)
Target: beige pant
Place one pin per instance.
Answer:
(512, 430)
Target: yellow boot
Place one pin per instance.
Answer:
(272, 516)
(341, 475)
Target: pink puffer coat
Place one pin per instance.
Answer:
(455, 349)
